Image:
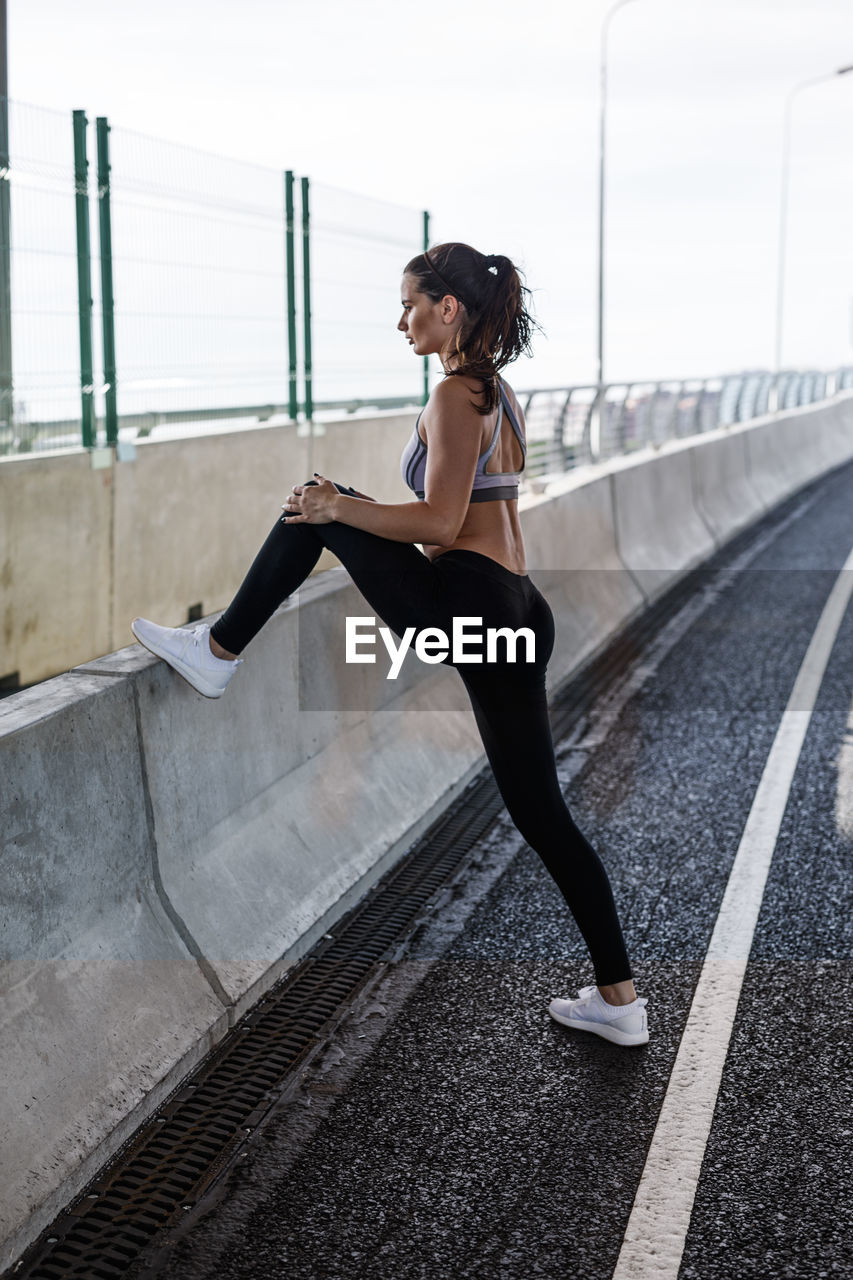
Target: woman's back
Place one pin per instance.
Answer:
(491, 527)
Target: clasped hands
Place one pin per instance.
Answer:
(314, 503)
(311, 503)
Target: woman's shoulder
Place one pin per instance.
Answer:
(453, 397)
(459, 386)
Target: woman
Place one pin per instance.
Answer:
(463, 463)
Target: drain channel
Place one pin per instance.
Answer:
(175, 1158)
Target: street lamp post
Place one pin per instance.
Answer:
(783, 221)
(6, 384)
(598, 408)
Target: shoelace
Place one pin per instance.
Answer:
(195, 638)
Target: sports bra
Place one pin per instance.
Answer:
(486, 488)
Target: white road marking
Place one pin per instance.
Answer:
(657, 1228)
(844, 790)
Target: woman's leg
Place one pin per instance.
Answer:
(396, 579)
(516, 731)
(511, 709)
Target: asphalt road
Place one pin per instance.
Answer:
(454, 1130)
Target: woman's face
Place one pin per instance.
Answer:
(429, 326)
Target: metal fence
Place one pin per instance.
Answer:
(149, 289)
(572, 426)
(200, 282)
(153, 286)
(569, 426)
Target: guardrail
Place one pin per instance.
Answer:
(564, 426)
(576, 425)
(158, 423)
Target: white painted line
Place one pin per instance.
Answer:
(844, 790)
(657, 1228)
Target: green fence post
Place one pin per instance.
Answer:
(306, 303)
(107, 302)
(290, 257)
(84, 279)
(426, 358)
(7, 404)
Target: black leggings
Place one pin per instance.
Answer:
(405, 589)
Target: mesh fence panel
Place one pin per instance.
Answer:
(45, 333)
(199, 287)
(199, 281)
(359, 247)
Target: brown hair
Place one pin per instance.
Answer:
(497, 327)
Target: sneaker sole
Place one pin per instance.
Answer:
(604, 1029)
(186, 673)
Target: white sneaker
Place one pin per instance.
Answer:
(623, 1024)
(188, 652)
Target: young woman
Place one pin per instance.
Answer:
(463, 464)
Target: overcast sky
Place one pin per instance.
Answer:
(486, 113)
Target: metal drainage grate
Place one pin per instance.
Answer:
(177, 1155)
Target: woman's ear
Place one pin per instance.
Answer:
(450, 308)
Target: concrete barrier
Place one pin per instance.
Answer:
(660, 533)
(101, 996)
(168, 857)
(786, 452)
(570, 540)
(832, 433)
(840, 429)
(722, 491)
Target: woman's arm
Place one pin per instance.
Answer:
(453, 430)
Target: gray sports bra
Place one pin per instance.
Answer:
(486, 488)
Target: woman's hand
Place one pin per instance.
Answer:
(311, 503)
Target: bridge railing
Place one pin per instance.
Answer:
(149, 289)
(576, 425)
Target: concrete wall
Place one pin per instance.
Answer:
(55, 563)
(84, 549)
(167, 857)
(100, 994)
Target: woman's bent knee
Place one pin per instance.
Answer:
(341, 488)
